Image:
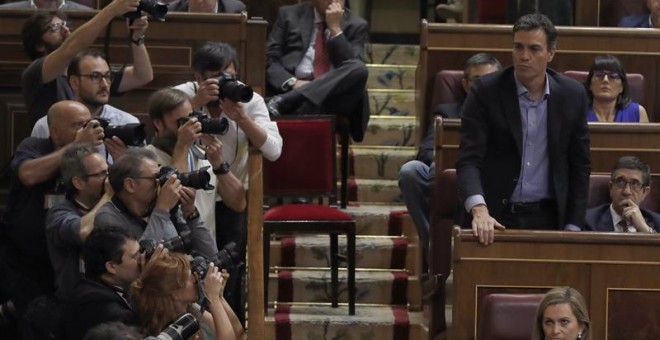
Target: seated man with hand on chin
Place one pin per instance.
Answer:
(629, 186)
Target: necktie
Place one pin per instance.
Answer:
(321, 61)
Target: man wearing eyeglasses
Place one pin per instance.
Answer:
(249, 123)
(629, 186)
(90, 79)
(151, 208)
(62, 5)
(24, 259)
(51, 45)
(68, 223)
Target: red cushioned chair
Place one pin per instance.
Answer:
(635, 83)
(307, 168)
(507, 316)
(447, 88)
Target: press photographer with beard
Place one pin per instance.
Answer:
(150, 208)
(84, 174)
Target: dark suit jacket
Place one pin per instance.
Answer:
(600, 219)
(636, 20)
(289, 40)
(491, 144)
(224, 6)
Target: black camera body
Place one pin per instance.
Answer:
(154, 8)
(232, 89)
(196, 179)
(181, 329)
(227, 258)
(209, 125)
(181, 243)
(132, 134)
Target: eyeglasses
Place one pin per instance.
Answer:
(621, 182)
(96, 77)
(102, 174)
(610, 75)
(57, 26)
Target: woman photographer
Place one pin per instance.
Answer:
(167, 288)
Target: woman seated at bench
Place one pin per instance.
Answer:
(607, 87)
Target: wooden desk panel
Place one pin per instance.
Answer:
(609, 269)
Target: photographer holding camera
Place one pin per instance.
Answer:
(174, 144)
(90, 79)
(216, 92)
(35, 167)
(49, 42)
(112, 262)
(153, 207)
(168, 287)
(84, 174)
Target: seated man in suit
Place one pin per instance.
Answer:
(314, 62)
(651, 20)
(416, 176)
(628, 188)
(207, 6)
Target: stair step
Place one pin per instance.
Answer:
(373, 219)
(390, 131)
(400, 77)
(392, 54)
(381, 162)
(392, 102)
(373, 252)
(302, 322)
(371, 287)
(379, 190)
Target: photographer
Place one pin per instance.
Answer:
(168, 288)
(90, 79)
(24, 260)
(249, 123)
(174, 144)
(84, 174)
(49, 42)
(148, 206)
(112, 262)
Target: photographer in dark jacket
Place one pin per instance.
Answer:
(112, 262)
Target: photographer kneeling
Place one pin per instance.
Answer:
(147, 204)
(170, 287)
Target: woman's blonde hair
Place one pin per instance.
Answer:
(153, 292)
(558, 296)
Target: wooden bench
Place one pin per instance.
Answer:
(616, 273)
(171, 45)
(448, 46)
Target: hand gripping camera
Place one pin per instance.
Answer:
(154, 8)
(232, 89)
(209, 125)
(197, 179)
(131, 134)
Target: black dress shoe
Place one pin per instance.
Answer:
(274, 105)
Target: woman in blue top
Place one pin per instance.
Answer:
(607, 87)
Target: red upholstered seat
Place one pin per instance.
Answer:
(306, 168)
(507, 316)
(309, 212)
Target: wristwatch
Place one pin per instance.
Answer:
(139, 41)
(223, 169)
(288, 84)
(193, 215)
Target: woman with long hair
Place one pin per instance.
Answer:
(167, 289)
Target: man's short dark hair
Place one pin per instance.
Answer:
(113, 331)
(102, 245)
(633, 163)
(73, 165)
(33, 28)
(478, 60)
(74, 65)
(536, 21)
(214, 56)
(128, 165)
(165, 100)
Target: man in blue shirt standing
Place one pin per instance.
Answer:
(524, 155)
